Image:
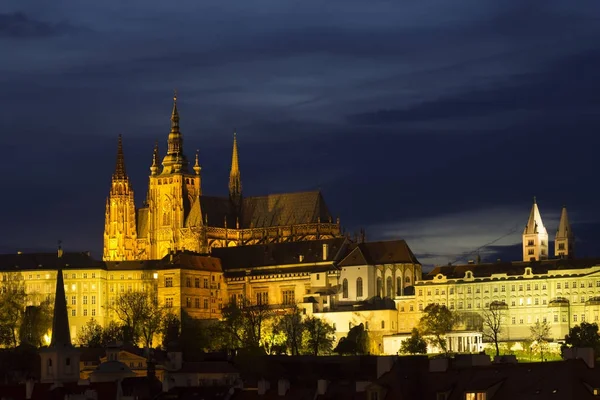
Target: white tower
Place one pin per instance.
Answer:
(535, 237)
(564, 240)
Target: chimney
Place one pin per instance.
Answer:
(29, 388)
(283, 385)
(263, 386)
(321, 387)
(584, 353)
(325, 251)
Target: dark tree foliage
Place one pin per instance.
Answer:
(415, 344)
(320, 336)
(91, 334)
(357, 342)
(293, 328)
(37, 321)
(583, 335)
(437, 321)
(170, 329)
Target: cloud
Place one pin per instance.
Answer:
(458, 237)
(20, 25)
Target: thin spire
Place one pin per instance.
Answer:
(61, 337)
(174, 160)
(197, 167)
(120, 172)
(235, 178)
(535, 223)
(175, 113)
(155, 160)
(564, 227)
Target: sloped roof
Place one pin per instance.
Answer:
(278, 253)
(194, 217)
(45, 261)
(190, 260)
(564, 227)
(266, 211)
(511, 268)
(534, 224)
(376, 253)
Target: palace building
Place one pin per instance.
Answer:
(177, 215)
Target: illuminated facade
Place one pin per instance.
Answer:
(177, 216)
(535, 236)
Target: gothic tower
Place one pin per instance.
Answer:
(174, 214)
(120, 234)
(60, 361)
(535, 237)
(235, 178)
(564, 241)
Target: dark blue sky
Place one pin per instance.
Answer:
(432, 121)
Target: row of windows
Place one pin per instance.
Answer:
(197, 302)
(188, 282)
(84, 299)
(188, 181)
(85, 312)
(84, 287)
(389, 287)
(513, 288)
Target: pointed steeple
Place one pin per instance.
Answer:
(175, 160)
(197, 166)
(155, 160)
(535, 236)
(120, 172)
(535, 224)
(235, 178)
(61, 337)
(564, 240)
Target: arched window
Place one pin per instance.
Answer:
(359, 287)
(345, 289)
(399, 286)
(166, 218)
(389, 283)
(379, 287)
(407, 279)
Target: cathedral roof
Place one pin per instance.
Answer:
(267, 211)
(279, 253)
(376, 253)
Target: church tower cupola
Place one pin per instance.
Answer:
(235, 178)
(175, 160)
(535, 236)
(564, 241)
(154, 168)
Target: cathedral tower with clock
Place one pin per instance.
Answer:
(176, 215)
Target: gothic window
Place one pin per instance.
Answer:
(166, 218)
(359, 287)
(389, 286)
(407, 279)
(398, 286)
(379, 287)
(345, 288)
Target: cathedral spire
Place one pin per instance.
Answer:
(61, 336)
(197, 166)
(564, 240)
(235, 179)
(535, 224)
(120, 172)
(175, 160)
(155, 160)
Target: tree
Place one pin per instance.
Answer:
(492, 320)
(583, 335)
(140, 314)
(170, 329)
(437, 321)
(292, 327)
(415, 344)
(12, 308)
(112, 333)
(539, 334)
(36, 323)
(357, 341)
(242, 326)
(91, 334)
(319, 336)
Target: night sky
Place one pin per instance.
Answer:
(434, 121)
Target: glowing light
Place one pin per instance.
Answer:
(155, 275)
(47, 338)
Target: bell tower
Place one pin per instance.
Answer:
(564, 241)
(120, 234)
(535, 236)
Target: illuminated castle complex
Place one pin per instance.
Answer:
(178, 216)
